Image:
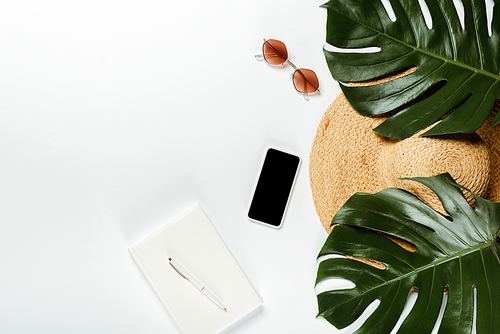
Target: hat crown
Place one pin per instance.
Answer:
(464, 156)
(347, 156)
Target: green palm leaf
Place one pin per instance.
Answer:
(463, 64)
(458, 252)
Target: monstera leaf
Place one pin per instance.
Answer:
(458, 67)
(456, 253)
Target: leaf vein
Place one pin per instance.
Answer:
(488, 285)
(478, 41)
(453, 46)
(379, 63)
(430, 296)
(411, 25)
(496, 254)
(468, 218)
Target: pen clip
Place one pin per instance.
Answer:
(170, 261)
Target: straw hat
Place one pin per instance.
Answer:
(347, 156)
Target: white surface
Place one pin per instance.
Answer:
(117, 117)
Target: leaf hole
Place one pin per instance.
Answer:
(448, 113)
(474, 317)
(426, 13)
(489, 15)
(370, 262)
(352, 328)
(428, 93)
(444, 302)
(410, 302)
(334, 284)
(369, 49)
(461, 103)
(459, 6)
(330, 256)
(406, 245)
(393, 76)
(447, 217)
(431, 91)
(388, 8)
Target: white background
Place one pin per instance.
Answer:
(118, 116)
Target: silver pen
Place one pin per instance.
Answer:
(185, 274)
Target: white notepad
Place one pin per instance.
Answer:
(193, 242)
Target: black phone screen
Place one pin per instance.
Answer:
(273, 187)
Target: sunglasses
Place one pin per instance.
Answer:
(305, 81)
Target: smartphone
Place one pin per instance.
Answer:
(274, 186)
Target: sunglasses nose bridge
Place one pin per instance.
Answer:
(291, 64)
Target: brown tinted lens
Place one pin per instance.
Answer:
(274, 52)
(305, 81)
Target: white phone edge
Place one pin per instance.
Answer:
(289, 194)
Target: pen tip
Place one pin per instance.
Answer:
(225, 309)
(170, 259)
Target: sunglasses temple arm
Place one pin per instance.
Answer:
(261, 57)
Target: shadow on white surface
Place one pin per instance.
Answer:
(244, 322)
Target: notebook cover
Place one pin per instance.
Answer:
(193, 242)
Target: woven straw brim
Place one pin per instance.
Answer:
(347, 156)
